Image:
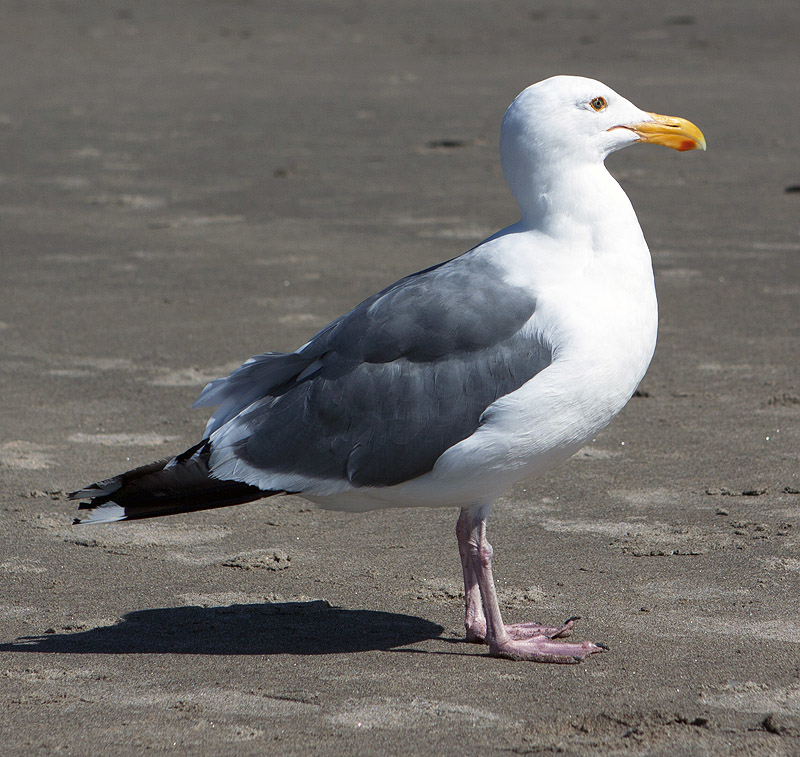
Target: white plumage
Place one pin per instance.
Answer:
(454, 383)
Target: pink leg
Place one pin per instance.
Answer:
(474, 618)
(520, 641)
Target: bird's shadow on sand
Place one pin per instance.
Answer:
(302, 628)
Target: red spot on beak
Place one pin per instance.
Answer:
(687, 145)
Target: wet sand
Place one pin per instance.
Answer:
(184, 185)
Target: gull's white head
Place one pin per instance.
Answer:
(568, 121)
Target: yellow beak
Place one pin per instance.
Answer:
(677, 133)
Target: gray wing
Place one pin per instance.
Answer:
(378, 395)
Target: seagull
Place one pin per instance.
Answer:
(452, 384)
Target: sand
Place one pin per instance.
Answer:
(185, 184)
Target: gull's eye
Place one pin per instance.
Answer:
(599, 103)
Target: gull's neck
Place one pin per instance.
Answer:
(578, 203)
